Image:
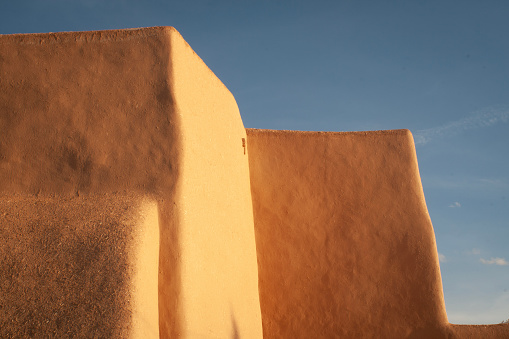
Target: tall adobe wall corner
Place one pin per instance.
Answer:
(125, 204)
(128, 207)
(345, 244)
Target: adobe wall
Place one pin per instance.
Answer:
(76, 267)
(479, 331)
(134, 204)
(344, 241)
(86, 134)
(219, 275)
(87, 112)
(108, 152)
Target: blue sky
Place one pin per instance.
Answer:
(438, 68)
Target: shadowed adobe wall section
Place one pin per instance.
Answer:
(480, 331)
(87, 120)
(115, 114)
(87, 112)
(344, 241)
(66, 266)
(134, 204)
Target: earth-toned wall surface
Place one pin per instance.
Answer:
(66, 265)
(125, 205)
(134, 204)
(345, 245)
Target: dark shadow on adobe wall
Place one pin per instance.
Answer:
(141, 143)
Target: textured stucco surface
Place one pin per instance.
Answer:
(345, 244)
(86, 133)
(87, 112)
(133, 203)
(66, 265)
(131, 113)
(219, 289)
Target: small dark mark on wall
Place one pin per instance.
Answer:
(244, 144)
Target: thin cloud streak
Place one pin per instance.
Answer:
(495, 261)
(484, 118)
(466, 182)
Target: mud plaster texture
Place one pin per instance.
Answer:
(345, 245)
(65, 266)
(86, 112)
(89, 118)
(86, 122)
(275, 233)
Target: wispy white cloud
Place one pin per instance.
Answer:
(441, 258)
(455, 204)
(473, 251)
(486, 117)
(495, 261)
